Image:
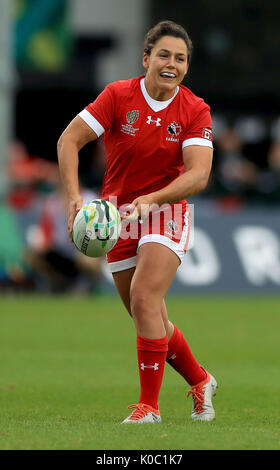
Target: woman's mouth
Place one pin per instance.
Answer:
(168, 75)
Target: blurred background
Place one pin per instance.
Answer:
(57, 55)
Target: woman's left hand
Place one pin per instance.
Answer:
(140, 207)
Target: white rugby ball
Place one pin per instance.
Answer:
(96, 228)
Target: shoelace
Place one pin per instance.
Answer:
(139, 412)
(198, 398)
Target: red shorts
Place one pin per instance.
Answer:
(170, 226)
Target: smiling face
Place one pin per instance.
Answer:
(165, 66)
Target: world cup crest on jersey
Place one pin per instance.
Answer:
(132, 116)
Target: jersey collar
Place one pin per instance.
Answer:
(154, 104)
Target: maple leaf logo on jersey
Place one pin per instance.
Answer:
(174, 128)
(132, 116)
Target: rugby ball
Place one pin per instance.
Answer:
(96, 228)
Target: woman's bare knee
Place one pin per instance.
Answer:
(143, 303)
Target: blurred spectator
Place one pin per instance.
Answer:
(251, 129)
(274, 157)
(269, 181)
(21, 207)
(57, 264)
(234, 172)
(28, 174)
(52, 262)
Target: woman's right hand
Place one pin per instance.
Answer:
(75, 203)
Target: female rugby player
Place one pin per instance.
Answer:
(159, 152)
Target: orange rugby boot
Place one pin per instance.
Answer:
(143, 414)
(202, 394)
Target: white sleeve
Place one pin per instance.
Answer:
(92, 122)
(197, 141)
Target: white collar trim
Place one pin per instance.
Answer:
(154, 104)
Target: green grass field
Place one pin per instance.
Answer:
(68, 372)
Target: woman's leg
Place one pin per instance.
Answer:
(179, 355)
(155, 270)
(154, 273)
(122, 281)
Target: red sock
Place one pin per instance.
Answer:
(151, 361)
(180, 357)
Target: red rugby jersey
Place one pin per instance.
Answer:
(144, 137)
